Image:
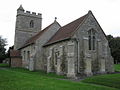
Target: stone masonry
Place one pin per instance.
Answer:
(78, 49)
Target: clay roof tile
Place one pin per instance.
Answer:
(14, 53)
(66, 31)
(35, 37)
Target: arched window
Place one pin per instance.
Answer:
(28, 55)
(31, 24)
(24, 54)
(91, 42)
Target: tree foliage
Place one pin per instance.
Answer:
(114, 43)
(3, 43)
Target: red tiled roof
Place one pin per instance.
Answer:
(14, 53)
(66, 31)
(35, 37)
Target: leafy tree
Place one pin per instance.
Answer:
(114, 43)
(3, 43)
(110, 37)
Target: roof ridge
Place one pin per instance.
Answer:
(32, 39)
(39, 32)
(86, 15)
(75, 20)
(66, 31)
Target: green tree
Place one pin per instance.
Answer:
(110, 37)
(3, 43)
(114, 43)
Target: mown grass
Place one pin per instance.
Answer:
(4, 65)
(38, 72)
(22, 79)
(111, 80)
(117, 67)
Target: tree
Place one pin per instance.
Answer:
(110, 37)
(114, 43)
(3, 43)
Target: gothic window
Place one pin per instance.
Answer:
(57, 53)
(28, 55)
(31, 24)
(24, 55)
(71, 49)
(91, 41)
(56, 58)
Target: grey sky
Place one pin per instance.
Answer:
(106, 12)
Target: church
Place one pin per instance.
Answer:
(79, 48)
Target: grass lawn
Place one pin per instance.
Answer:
(22, 79)
(111, 80)
(4, 65)
(117, 67)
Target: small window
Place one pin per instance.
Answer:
(91, 42)
(31, 24)
(24, 55)
(56, 55)
(28, 55)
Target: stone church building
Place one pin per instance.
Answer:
(78, 48)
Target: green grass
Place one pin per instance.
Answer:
(4, 65)
(22, 79)
(43, 73)
(111, 80)
(117, 67)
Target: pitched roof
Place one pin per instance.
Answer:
(35, 37)
(15, 53)
(66, 31)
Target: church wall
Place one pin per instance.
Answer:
(23, 29)
(102, 51)
(26, 54)
(39, 63)
(24, 19)
(21, 37)
(36, 50)
(86, 62)
(71, 57)
(67, 56)
(16, 62)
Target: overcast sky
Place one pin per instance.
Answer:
(106, 12)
